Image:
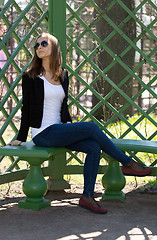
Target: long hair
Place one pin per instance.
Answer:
(36, 68)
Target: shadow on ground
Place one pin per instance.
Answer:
(134, 219)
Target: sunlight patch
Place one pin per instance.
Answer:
(71, 237)
(89, 235)
(137, 234)
(121, 238)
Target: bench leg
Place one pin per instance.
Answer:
(34, 187)
(57, 165)
(113, 181)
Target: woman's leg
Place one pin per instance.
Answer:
(67, 134)
(92, 149)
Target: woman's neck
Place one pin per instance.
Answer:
(46, 65)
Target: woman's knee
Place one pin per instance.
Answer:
(93, 127)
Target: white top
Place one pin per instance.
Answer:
(53, 98)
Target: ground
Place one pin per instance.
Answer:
(134, 219)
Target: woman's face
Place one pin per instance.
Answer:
(43, 51)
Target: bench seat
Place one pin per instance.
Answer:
(28, 149)
(136, 145)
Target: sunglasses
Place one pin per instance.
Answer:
(43, 44)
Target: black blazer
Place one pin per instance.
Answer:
(33, 100)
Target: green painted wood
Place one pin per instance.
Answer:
(28, 149)
(6, 37)
(78, 169)
(57, 23)
(34, 187)
(129, 100)
(57, 169)
(136, 145)
(113, 182)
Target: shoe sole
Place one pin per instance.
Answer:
(126, 174)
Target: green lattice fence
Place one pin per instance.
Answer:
(95, 84)
(111, 59)
(20, 24)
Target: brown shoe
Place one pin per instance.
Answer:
(96, 209)
(131, 172)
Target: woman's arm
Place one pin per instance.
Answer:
(15, 143)
(24, 127)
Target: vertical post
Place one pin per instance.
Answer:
(57, 23)
(57, 27)
(57, 166)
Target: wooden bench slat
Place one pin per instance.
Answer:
(28, 149)
(136, 145)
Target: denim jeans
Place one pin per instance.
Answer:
(84, 137)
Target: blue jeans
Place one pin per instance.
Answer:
(84, 137)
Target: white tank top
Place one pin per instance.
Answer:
(53, 98)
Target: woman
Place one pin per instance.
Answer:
(45, 110)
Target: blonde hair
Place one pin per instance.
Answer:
(36, 67)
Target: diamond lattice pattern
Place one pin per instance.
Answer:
(111, 59)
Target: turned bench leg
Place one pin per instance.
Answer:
(56, 181)
(34, 187)
(113, 181)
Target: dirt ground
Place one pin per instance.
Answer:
(135, 218)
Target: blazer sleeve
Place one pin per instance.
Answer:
(24, 127)
(65, 115)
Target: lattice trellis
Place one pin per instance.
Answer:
(84, 47)
(19, 25)
(17, 39)
(87, 49)
(87, 59)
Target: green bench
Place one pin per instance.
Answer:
(35, 186)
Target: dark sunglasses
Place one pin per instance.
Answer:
(43, 44)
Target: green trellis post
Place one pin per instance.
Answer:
(57, 27)
(57, 23)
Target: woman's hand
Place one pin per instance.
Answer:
(15, 143)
